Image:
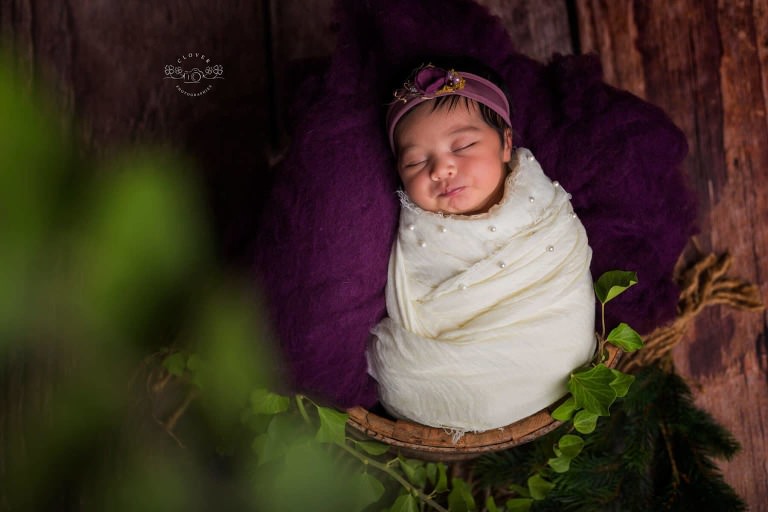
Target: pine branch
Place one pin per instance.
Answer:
(655, 452)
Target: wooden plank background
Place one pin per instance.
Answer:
(704, 61)
(706, 64)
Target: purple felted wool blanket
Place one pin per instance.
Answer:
(325, 236)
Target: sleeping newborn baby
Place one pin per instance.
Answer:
(489, 296)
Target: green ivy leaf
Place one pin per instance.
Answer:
(420, 477)
(621, 382)
(175, 364)
(267, 449)
(199, 379)
(519, 504)
(585, 422)
(194, 362)
(370, 489)
(259, 447)
(570, 445)
(265, 402)
(592, 389)
(332, 425)
(560, 464)
(372, 447)
(519, 489)
(414, 471)
(286, 429)
(282, 432)
(442, 478)
(405, 503)
(565, 411)
(432, 472)
(490, 504)
(460, 498)
(625, 337)
(613, 283)
(538, 487)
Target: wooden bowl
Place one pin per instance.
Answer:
(436, 444)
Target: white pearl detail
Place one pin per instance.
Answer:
(568, 195)
(443, 229)
(573, 215)
(462, 287)
(555, 183)
(529, 156)
(531, 199)
(422, 243)
(502, 264)
(411, 227)
(492, 229)
(550, 248)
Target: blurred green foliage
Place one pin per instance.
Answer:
(101, 265)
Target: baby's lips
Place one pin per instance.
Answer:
(451, 191)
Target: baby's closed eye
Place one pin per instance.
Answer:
(414, 164)
(464, 146)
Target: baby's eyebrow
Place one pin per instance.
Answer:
(402, 149)
(463, 128)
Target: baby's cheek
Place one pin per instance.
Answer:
(414, 186)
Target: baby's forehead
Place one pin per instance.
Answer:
(452, 103)
(451, 109)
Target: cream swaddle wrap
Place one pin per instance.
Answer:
(488, 314)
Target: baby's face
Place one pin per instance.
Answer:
(450, 160)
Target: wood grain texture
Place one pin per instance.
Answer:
(538, 29)
(109, 57)
(303, 31)
(104, 63)
(302, 38)
(705, 63)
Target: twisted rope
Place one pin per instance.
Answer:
(704, 283)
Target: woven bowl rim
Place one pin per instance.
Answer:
(438, 443)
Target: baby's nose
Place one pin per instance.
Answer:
(443, 168)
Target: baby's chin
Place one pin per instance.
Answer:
(456, 210)
(463, 206)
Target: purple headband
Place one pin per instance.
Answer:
(429, 82)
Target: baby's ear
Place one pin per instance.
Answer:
(507, 144)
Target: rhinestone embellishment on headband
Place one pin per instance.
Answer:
(428, 82)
